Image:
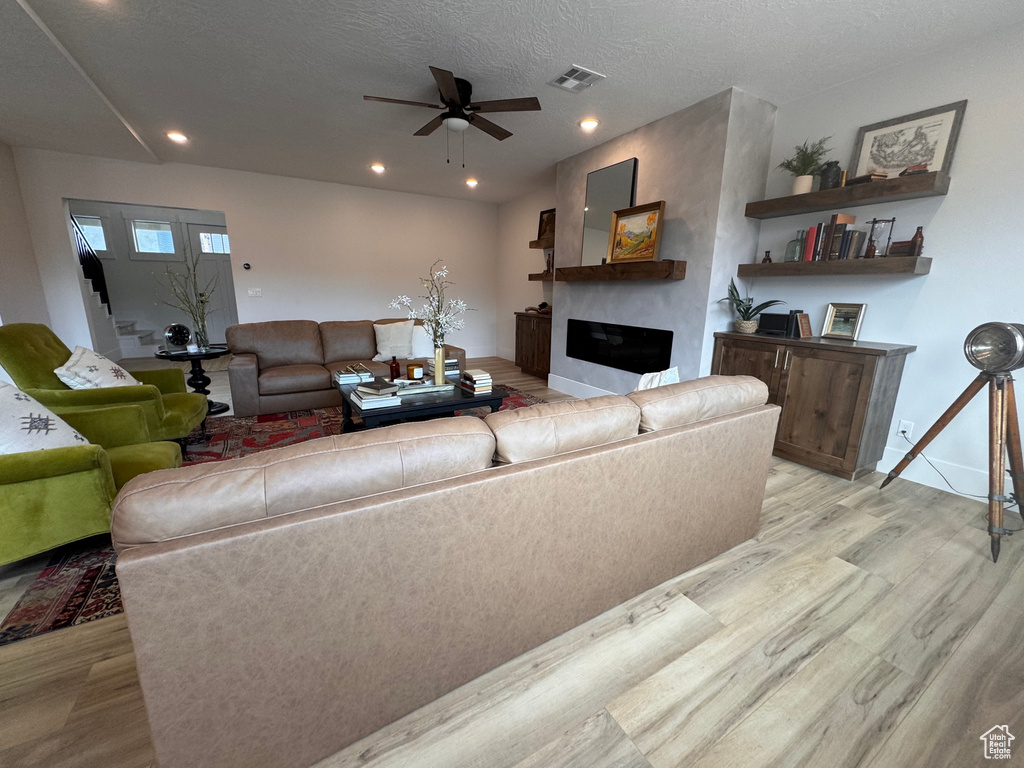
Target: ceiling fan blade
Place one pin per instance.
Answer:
(402, 101)
(528, 104)
(488, 127)
(446, 85)
(430, 127)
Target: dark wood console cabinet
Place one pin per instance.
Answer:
(533, 343)
(837, 397)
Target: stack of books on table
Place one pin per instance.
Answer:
(451, 367)
(421, 386)
(378, 393)
(354, 374)
(476, 382)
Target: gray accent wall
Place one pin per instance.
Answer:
(691, 160)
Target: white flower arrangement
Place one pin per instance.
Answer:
(440, 315)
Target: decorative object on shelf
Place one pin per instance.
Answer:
(805, 163)
(549, 261)
(767, 258)
(830, 175)
(608, 189)
(440, 315)
(541, 309)
(913, 170)
(893, 146)
(394, 368)
(546, 225)
(795, 247)
(177, 335)
(804, 324)
(842, 321)
(882, 227)
(996, 349)
(636, 233)
(745, 308)
(414, 371)
(912, 247)
(189, 297)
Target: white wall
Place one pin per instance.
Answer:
(517, 226)
(318, 251)
(973, 234)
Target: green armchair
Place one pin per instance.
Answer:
(53, 497)
(30, 352)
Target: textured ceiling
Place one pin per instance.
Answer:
(277, 87)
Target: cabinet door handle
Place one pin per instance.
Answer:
(785, 362)
(776, 363)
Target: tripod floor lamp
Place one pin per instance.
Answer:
(995, 349)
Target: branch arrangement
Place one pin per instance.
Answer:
(188, 297)
(440, 315)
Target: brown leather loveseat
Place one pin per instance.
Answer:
(287, 365)
(284, 605)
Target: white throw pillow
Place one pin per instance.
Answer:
(422, 344)
(25, 425)
(86, 369)
(393, 340)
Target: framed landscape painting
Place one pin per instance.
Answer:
(892, 146)
(636, 233)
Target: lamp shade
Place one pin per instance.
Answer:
(996, 347)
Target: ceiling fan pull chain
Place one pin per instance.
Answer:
(463, 149)
(447, 145)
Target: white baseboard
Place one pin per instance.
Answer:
(966, 480)
(575, 388)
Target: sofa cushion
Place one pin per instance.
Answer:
(162, 505)
(279, 342)
(553, 428)
(676, 405)
(393, 340)
(293, 378)
(348, 340)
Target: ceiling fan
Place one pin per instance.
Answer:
(460, 110)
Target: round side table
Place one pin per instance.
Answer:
(198, 379)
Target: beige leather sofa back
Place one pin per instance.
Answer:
(279, 641)
(279, 342)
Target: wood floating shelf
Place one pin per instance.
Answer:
(546, 242)
(628, 270)
(888, 190)
(544, 277)
(896, 265)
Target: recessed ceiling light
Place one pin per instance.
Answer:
(471, 182)
(377, 168)
(589, 124)
(177, 137)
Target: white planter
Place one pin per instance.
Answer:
(802, 184)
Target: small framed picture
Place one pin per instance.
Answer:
(893, 146)
(842, 321)
(636, 233)
(803, 321)
(546, 225)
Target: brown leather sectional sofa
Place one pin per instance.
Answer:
(287, 365)
(285, 605)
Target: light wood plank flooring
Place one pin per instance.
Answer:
(859, 628)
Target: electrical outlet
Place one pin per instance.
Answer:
(256, 293)
(906, 428)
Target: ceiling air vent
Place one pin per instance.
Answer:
(577, 79)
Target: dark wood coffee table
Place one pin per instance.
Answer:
(417, 406)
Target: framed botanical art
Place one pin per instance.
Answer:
(636, 233)
(842, 321)
(892, 146)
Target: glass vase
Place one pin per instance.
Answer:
(200, 337)
(439, 365)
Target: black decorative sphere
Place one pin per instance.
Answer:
(177, 334)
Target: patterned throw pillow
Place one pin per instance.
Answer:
(86, 369)
(25, 425)
(393, 340)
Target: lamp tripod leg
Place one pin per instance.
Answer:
(958, 405)
(1013, 449)
(996, 460)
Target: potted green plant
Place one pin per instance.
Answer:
(806, 163)
(746, 309)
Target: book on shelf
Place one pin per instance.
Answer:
(844, 245)
(378, 386)
(829, 244)
(477, 375)
(381, 401)
(809, 243)
(858, 239)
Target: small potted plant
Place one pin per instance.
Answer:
(745, 308)
(806, 163)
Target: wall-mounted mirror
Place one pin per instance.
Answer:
(608, 189)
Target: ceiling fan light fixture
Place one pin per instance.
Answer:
(456, 123)
(589, 124)
(378, 168)
(471, 183)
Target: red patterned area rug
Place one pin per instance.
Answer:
(78, 583)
